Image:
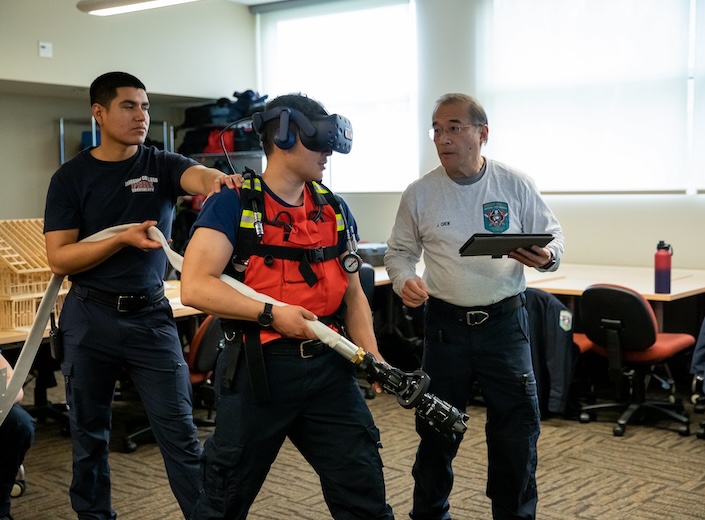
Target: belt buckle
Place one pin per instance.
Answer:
(301, 349)
(123, 302)
(476, 317)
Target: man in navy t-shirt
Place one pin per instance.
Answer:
(116, 316)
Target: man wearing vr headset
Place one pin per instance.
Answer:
(275, 379)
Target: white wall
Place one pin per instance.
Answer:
(202, 49)
(207, 50)
(599, 229)
(184, 54)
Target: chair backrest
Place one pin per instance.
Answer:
(367, 280)
(608, 310)
(204, 348)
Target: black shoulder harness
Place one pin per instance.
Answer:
(251, 229)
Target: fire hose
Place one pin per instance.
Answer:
(409, 388)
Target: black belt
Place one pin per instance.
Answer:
(128, 302)
(294, 347)
(476, 315)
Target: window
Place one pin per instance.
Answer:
(596, 95)
(358, 59)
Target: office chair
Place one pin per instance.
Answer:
(622, 327)
(367, 280)
(201, 357)
(19, 487)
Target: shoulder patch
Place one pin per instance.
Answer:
(565, 320)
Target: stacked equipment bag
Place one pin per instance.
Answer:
(204, 124)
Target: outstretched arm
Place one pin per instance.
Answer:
(200, 180)
(205, 259)
(67, 256)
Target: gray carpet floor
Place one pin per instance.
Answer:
(584, 473)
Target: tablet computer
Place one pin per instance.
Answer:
(497, 246)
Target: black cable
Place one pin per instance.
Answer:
(222, 141)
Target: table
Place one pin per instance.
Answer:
(572, 279)
(172, 289)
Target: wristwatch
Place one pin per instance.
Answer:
(266, 318)
(550, 263)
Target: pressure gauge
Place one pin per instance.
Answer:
(351, 263)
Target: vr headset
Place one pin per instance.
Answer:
(332, 132)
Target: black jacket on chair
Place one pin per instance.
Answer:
(553, 352)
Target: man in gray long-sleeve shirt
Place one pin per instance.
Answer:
(476, 322)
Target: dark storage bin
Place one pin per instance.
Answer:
(372, 252)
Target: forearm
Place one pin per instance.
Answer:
(360, 328)
(213, 296)
(81, 256)
(200, 180)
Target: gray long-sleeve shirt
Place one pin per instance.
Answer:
(437, 215)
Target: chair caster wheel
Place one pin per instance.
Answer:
(129, 446)
(584, 417)
(18, 489)
(700, 434)
(684, 430)
(618, 431)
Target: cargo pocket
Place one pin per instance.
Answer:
(532, 414)
(220, 479)
(67, 372)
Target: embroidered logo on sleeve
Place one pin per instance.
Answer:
(143, 184)
(496, 216)
(565, 320)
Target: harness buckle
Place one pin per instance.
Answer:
(301, 349)
(317, 255)
(476, 317)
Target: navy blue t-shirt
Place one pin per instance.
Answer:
(91, 195)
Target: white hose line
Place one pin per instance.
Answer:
(34, 339)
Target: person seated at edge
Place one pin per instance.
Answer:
(286, 383)
(16, 436)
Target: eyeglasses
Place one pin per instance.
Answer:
(436, 133)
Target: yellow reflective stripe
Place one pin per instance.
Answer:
(248, 219)
(319, 188)
(247, 184)
(339, 222)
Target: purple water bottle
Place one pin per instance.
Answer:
(662, 267)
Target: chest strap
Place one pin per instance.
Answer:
(305, 257)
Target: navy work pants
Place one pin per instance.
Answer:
(100, 342)
(317, 404)
(16, 436)
(497, 355)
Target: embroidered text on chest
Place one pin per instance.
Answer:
(142, 184)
